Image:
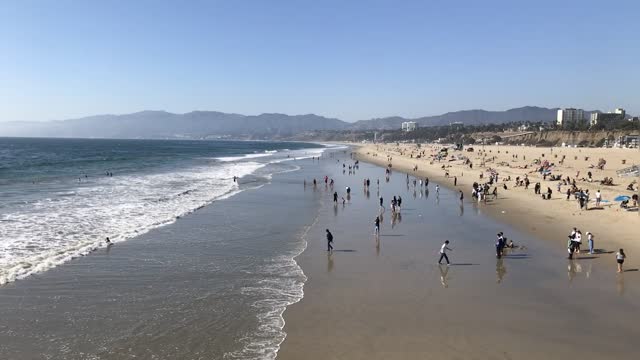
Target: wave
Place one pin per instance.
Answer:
(284, 286)
(41, 235)
(242, 157)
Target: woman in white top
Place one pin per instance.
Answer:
(620, 256)
(578, 241)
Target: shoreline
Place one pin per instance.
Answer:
(387, 298)
(522, 209)
(163, 292)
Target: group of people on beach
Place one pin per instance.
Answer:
(575, 242)
(480, 192)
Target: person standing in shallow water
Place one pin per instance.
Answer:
(329, 241)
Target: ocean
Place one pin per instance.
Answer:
(197, 281)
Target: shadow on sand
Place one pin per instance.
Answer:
(463, 264)
(516, 256)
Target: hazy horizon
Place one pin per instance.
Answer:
(346, 60)
(262, 113)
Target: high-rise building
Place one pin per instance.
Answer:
(569, 116)
(616, 115)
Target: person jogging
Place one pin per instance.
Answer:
(329, 241)
(443, 252)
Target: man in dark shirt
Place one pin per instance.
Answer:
(329, 241)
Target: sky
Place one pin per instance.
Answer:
(351, 60)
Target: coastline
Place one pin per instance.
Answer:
(519, 207)
(162, 294)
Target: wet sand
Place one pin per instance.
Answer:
(390, 300)
(550, 220)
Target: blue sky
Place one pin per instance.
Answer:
(346, 59)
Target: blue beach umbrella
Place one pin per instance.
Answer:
(621, 198)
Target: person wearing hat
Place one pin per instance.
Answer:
(590, 238)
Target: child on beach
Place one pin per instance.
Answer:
(590, 240)
(620, 256)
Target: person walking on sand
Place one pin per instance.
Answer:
(620, 256)
(455, 181)
(376, 229)
(329, 241)
(499, 245)
(598, 198)
(578, 241)
(437, 189)
(590, 240)
(335, 197)
(443, 253)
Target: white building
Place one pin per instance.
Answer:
(409, 126)
(569, 116)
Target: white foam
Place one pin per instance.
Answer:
(283, 286)
(37, 236)
(243, 157)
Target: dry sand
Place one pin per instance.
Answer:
(522, 208)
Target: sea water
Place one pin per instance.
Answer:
(221, 283)
(58, 199)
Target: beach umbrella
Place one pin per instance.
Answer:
(622, 198)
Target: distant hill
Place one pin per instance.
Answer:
(161, 124)
(208, 124)
(467, 117)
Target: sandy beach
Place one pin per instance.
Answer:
(521, 207)
(387, 298)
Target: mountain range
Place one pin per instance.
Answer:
(211, 124)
